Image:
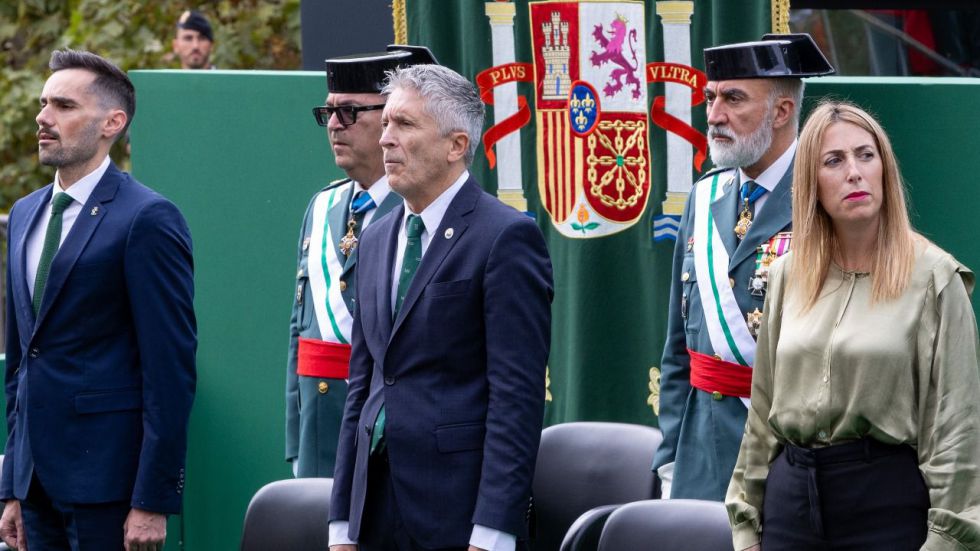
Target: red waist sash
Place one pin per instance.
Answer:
(712, 374)
(328, 360)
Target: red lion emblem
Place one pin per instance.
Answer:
(612, 51)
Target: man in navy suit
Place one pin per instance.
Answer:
(101, 335)
(450, 341)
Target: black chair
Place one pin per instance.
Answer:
(582, 466)
(668, 525)
(289, 515)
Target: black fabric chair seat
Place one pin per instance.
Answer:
(289, 515)
(585, 465)
(668, 525)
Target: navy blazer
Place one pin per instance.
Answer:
(461, 372)
(99, 385)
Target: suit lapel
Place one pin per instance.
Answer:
(91, 215)
(776, 214)
(723, 212)
(386, 264)
(18, 255)
(441, 242)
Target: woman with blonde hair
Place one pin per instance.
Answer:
(864, 426)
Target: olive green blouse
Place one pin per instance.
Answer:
(902, 371)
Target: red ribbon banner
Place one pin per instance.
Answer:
(488, 80)
(692, 78)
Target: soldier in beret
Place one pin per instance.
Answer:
(736, 222)
(193, 41)
(323, 305)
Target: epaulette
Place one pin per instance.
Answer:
(714, 171)
(336, 183)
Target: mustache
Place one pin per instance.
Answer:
(48, 132)
(720, 132)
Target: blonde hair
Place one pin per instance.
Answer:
(814, 240)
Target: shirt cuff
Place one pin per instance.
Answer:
(490, 539)
(338, 533)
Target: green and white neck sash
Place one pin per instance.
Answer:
(325, 268)
(725, 322)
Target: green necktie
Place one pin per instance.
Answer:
(52, 239)
(410, 264)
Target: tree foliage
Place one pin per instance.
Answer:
(134, 34)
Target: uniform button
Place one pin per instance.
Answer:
(389, 381)
(717, 395)
(685, 276)
(35, 352)
(822, 434)
(825, 378)
(343, 285)
(323, 387)
(716, 356)
(731, 282)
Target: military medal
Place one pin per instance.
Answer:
(744, 221)
(349, 241)
(757, 284)
(754, 320)
(749, 193)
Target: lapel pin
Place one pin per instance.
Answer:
(449, 233)
(95, 211)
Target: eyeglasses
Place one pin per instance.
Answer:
(346, 114)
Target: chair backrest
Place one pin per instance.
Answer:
(584, 465)
(667, 525)
(289, 515)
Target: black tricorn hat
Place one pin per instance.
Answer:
(365, 73)
(775, 56)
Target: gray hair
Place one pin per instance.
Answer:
(788, 88)
(447, 97)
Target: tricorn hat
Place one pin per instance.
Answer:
(365, 73)
(775, 56)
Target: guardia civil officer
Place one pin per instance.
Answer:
(323, 305)
(737, 220)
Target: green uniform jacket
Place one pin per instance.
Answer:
(702, 432)
(314, 406)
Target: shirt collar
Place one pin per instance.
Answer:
(433, 214)
(771, 176)
(379, 190)
(82, 189)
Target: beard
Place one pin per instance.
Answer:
(80, 151)
(743, 150)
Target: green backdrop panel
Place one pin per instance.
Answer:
(240, 154)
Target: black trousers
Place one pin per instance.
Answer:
(51, 525)
(860, 496)
(382, 528)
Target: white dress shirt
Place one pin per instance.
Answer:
(771, 176)
(482, 536)
(80, 192)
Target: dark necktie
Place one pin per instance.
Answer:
(52, 240)
(410, 264)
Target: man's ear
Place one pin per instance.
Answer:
(115, 122)
(459, 142)
(784, 111)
